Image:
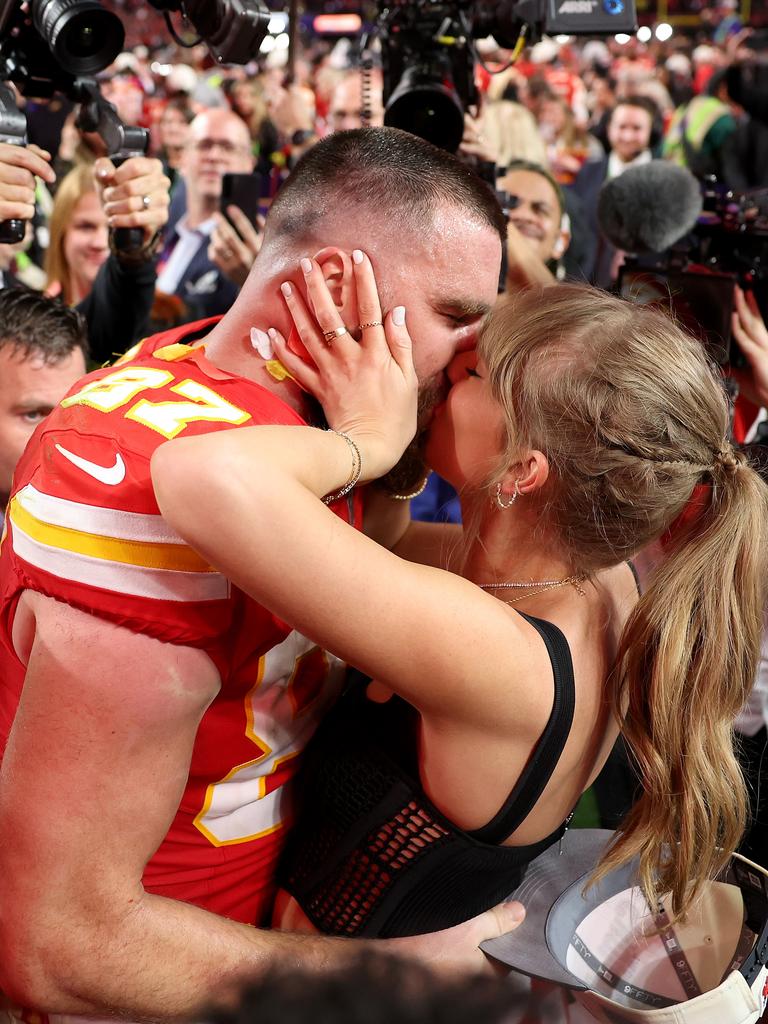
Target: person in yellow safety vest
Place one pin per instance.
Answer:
(699, 130)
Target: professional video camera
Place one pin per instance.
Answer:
(428, 51)
(691, 243)
(49, 46)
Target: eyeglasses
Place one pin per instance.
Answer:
(227, 147)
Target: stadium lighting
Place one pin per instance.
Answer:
(622, 38)
(663, 32)
(278, 23)
(644, 34)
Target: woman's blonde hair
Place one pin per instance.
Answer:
(74, 185)
(633, 418)
(512, 133)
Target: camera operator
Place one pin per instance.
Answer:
(134, 195)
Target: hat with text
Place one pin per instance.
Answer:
(626, 961)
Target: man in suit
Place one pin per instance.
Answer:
(218, 143)
(631, 128)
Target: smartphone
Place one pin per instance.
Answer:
(243, 191)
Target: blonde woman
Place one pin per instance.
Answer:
(576, 436)
(79, 236)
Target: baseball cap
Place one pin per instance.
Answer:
(625, 961)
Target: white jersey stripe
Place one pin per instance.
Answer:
(104, 522)
(120, 577)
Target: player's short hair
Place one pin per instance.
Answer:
(35, 325)
(393, 175)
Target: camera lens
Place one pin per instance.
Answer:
(427, 106)
(83, 37)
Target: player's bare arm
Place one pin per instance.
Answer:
(95, 766)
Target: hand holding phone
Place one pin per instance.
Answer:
(234, 249)
(244, 192)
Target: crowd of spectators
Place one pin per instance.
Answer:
(584, 111)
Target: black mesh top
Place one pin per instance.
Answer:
(370, 855)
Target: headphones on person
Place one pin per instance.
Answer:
(657, 121)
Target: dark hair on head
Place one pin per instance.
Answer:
(374, 989)
(387, 171)
(182, 105)
(534, 168)
(35, 325)
(642, 102)
(717, 79)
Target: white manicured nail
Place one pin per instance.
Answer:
(398, 316)
(262, 344)
(357, 256)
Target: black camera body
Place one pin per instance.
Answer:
(428, 53)
(695, 278)
(50, 46)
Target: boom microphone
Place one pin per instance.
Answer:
(650, 207)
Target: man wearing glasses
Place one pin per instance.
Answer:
(218, 143)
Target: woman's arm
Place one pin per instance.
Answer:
(247, 499)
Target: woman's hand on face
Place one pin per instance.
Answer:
(368, 388)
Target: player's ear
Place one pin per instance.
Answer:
(337, 269)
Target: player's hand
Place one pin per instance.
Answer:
(367, 388)
(18, 167)
(750, 332)
(457, 949)
(232, 251)
(134, 195)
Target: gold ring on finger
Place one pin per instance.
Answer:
(335, 332)
(373, 323)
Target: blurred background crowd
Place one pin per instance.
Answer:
(581, 110)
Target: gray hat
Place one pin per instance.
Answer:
(626, 961)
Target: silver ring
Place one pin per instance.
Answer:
(146, 202)
(335, 332)
(373, 323)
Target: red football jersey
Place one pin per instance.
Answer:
(83, 527)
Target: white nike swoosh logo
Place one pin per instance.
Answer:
(111, 475)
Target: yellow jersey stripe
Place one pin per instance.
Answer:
(118, 577)
(140, 553)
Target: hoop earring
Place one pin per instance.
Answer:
(500, 500)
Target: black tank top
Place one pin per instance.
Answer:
(370, 855)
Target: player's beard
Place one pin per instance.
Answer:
(407, 475)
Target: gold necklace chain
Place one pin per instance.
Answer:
(539, 587)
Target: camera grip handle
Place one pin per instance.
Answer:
(128, 239)
(12, 231)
